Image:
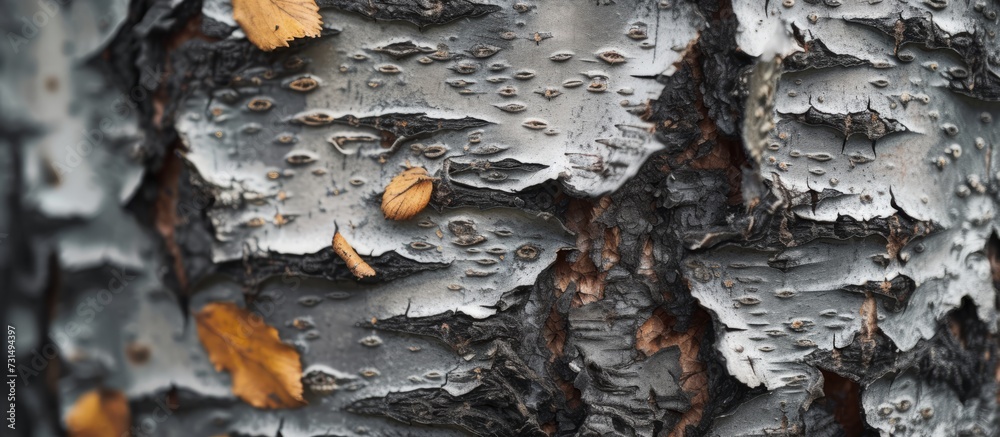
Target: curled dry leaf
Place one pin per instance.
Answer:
(358, 266)
(270, 24)
(266, 372)
(407, 194)
(99, 413)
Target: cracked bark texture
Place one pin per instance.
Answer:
(670, 218)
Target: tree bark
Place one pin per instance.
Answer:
(714, 218)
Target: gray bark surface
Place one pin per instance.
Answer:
(663, 217)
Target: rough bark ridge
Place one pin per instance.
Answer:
(652, 217)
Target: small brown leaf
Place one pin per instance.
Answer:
(99, 413)
(266, 372)
(270, 24)
(407, 194)
(358, 266)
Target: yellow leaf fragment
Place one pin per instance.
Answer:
(99, 413)
(358, 266)
(407, 194)
(266, 372)
(270, 24)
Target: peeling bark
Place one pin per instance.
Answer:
(710, 218)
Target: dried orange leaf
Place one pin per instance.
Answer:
(407, 194)
(99, 413)
(358, 266)
(266, 372)
(270, 24)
